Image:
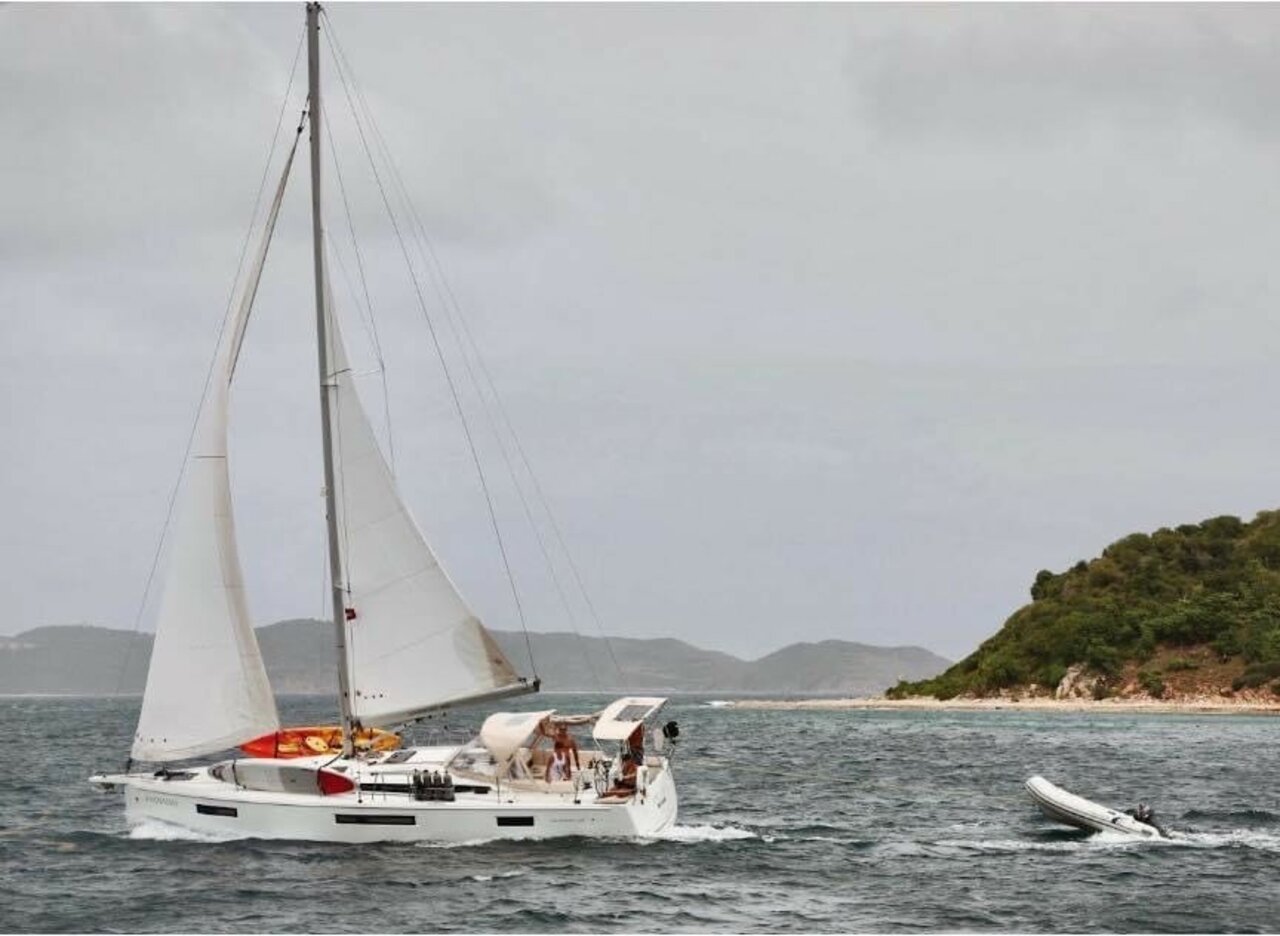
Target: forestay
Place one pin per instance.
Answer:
(413, 645)
(207, 688)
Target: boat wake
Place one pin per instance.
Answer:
(693, 834)
(1063, 842)
(153, 830)
(1234, 838)
(687, 835)
(1108, 841)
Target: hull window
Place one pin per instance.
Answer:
(515, 820)
(358, 819)
(204, 810)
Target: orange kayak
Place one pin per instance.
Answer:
(322, 739)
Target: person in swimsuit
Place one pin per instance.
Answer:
(558, 766)
(566, 743)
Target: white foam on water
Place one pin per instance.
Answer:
(1022, 845)
(701, 833)
(153, 830)
(1232, 838)
(1108, 838)
(482, 878)
(1099, 841)
(719, 703)
(1107, 841)
(467, 843)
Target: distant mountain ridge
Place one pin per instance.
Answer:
(299, 654)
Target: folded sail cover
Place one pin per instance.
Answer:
(412, 643)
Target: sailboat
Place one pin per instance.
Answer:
(407, 644)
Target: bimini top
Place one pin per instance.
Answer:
(623, 717)
(504, 733)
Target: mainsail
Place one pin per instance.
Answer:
(207, 688)
(413, 645)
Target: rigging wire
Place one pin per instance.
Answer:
(208, 377)
(372, 325)
(356, 301)
(453, 321)
(435, 339)
(506, 458)
(453, 310)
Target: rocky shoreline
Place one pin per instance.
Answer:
(1209, 705)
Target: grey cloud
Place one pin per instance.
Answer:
(1000, 73)
(181, 87)
(816, 320)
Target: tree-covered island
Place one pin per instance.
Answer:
(1183, 612)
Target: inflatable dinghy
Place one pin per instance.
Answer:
(1058, 804)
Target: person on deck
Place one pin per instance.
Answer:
(632, 758)
(635, 745)
(565, 742)
(558, 766)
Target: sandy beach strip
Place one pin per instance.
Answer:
(1207, 706)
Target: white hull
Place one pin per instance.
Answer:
(205, 804)
(1065, 807)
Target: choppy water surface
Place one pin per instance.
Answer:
(789, 821)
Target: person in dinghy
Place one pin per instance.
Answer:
(1146, 815)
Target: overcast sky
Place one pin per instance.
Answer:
(815, 321)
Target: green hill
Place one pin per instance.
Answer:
(1195, 608)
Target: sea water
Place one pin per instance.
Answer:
(789, 821)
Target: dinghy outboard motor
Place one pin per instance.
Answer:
(1145, 814)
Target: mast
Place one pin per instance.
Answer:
(328, 382)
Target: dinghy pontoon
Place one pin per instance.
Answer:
(1061, 806)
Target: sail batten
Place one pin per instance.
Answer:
(413, 644)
